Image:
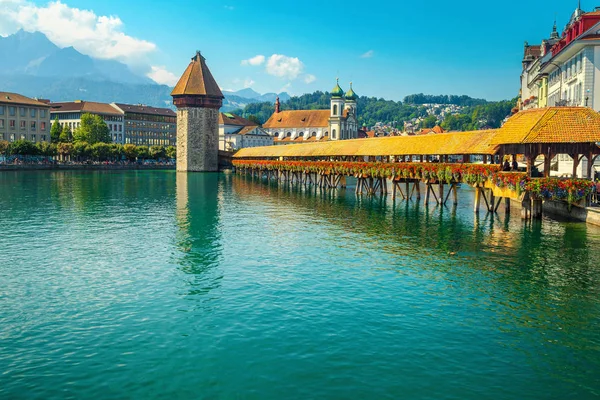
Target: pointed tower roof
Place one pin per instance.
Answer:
(350, 95)
(337, 90)
(554, 34)
(197, 80)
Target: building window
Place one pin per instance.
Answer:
(43, 138)
(335, 109)
(12, 124)
(1, 110)
(33, 138)
(11, 111)
(1, 124)
(289, 134)
(42, 126)
(42, 113)
(23, 137)
(22, 111)
(326, 133)
(12, 137)
(22, 124)
(32, 112)
(32, 125)
(333, 134)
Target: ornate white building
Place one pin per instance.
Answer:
(236, 133)
(338, 123)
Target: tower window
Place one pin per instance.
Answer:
(335, 109)
(333, 134)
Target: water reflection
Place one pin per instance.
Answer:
(536, 275)
(199, 235)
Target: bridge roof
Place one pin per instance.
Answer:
(551, 125)
(567, 125)
(476, 142)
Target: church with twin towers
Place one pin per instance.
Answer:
(339, 122)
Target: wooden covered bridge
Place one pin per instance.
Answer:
(474, 158)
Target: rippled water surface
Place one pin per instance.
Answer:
(165, 285)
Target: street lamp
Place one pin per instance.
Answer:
(587, 96)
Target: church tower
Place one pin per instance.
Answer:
(352, 118)
(198, 99)
(337, 111)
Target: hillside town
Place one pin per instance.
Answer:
(559, 71)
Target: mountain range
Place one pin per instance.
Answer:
(34, 66)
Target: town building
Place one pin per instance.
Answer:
(338, 123)
(564, 70)
(150, 126)
(136, 124)
(69, 114)
(23, 118)
(236, 133)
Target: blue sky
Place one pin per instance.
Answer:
(388, 48)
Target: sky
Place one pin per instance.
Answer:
(388, 49)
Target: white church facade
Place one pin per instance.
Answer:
(338, 123)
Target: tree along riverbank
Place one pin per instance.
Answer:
(84, 167)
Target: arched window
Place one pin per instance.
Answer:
(289, 134)
(326, 133)
(333, 134)
(276, 134)
(301, 134)
(313, 134)
(335, 109)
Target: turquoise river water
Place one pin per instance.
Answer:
(142, 285)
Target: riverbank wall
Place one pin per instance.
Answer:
(90, 167)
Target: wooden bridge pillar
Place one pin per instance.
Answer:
(536, 212)
(492, 203)
(440, 198)
(454, 194)
(477, 200)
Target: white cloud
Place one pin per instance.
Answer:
(248, 83)
(159, 74)
(368, 54)
(309, 78)
(284, 67)
(254, 61)
(98, 36)
(285, 87)
(230, 8)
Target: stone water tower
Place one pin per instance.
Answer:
(198, 99)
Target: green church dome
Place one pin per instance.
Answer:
(350, 95)
(337, 90)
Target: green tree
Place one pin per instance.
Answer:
(4, 146)
(100, 151)
(65, 149)
(23, 147)
(55, 131)
(157, 152)
(130, 151)
(255, 119)
(92, 130)
(143, 152)
(82, 150)
(429, 121)
(116, 151)
(66, 136)
(171, 152)
(46, 149)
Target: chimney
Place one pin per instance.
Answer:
(277, 105)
